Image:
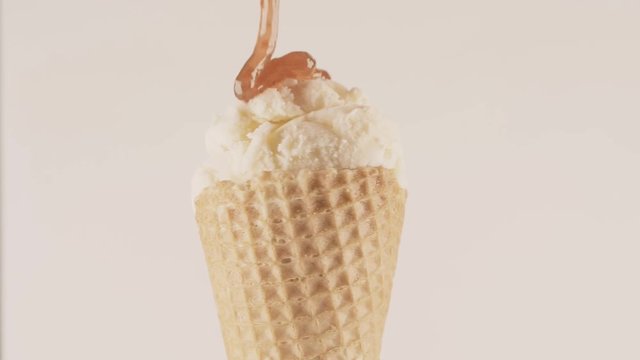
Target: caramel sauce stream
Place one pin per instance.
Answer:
(261, 71)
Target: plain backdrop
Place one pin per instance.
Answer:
(521, 125)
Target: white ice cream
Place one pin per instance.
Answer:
(302, 125)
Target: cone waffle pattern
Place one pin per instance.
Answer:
(302, 263)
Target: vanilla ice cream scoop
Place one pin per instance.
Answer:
(308, 124)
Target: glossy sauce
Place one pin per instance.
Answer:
(261, 71)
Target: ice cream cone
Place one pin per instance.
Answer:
(302, 262)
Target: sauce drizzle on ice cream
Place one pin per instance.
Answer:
(261, 71)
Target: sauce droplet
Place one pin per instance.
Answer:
(261, 71)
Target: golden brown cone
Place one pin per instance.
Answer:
(302, 262)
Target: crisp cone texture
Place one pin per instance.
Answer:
(302, 262)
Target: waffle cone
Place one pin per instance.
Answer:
(302, 262)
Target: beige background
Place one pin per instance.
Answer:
(521, 125)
